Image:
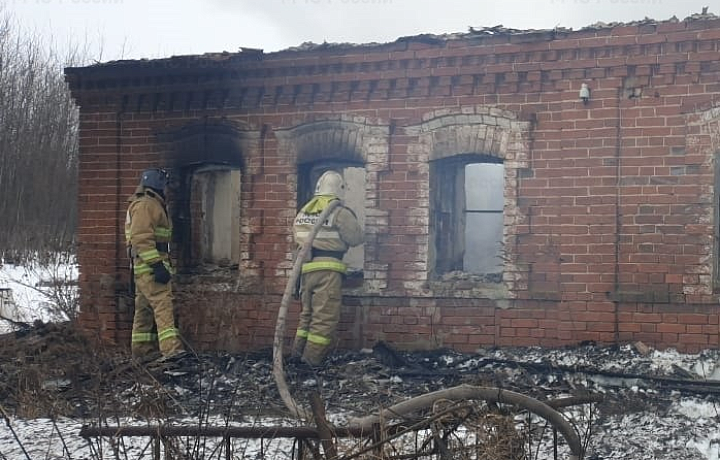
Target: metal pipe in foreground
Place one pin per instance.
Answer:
(250, 432)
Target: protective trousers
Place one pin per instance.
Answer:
(154, 307)
(321, 300)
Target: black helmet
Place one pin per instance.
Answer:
(155, 179)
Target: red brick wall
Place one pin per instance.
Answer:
(610, 205)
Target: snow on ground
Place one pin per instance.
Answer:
(58, 439)
(671, 434)
(637, 423)
(26, 293)
(674, 425)
(686, 430)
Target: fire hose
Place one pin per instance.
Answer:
(278, 370)
(414, 404)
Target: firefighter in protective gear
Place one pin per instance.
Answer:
(147, 232)
(321, 294)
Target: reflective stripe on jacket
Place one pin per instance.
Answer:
(340, 231)
(316, 265)
(147, 227)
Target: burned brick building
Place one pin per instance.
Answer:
(516, 187)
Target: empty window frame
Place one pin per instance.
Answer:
(216, 215)
(467, 203)
(354, 176)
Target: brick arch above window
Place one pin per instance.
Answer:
(210, 141)
(484, 130)
(348, 138)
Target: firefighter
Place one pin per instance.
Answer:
(322, 274)
(147, 233)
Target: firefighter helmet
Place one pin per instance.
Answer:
(154, 178)
(330, 183)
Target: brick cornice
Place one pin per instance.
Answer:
(422, 61)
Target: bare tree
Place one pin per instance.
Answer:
(38, 145)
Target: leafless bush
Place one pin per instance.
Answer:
(58, 284)
(54, 278)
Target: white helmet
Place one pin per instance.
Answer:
(330, 183)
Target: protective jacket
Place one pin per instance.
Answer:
(338, 233)
(147, 230)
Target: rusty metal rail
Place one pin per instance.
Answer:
(268, 432)
(160, 445)
(251, 432)
(161, 436)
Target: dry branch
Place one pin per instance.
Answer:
(324, 431)
(468, 392)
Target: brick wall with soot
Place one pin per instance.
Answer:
(609, 216)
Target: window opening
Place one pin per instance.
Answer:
(216, 226)
(467, 218)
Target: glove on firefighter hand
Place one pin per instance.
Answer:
(161, 274)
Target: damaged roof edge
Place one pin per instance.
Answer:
(220, 60)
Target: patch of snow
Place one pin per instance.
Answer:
(27, 299)
(665, 360)
(697, 409)
(709, 447)
(30, 291)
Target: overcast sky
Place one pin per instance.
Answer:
(159, 28)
